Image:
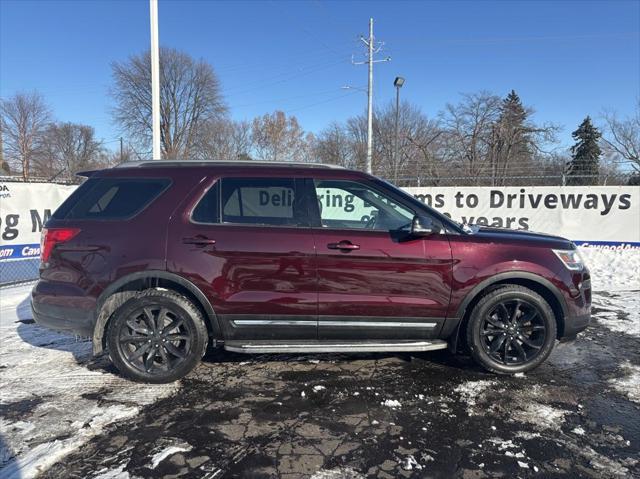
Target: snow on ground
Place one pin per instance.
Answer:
(613, 270)
(628, 385)
(52, 400)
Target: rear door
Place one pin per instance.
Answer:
(246, 242)
(374, 281)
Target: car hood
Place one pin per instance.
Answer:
(507, 235)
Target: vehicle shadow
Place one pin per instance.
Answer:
(41, 337)
(438, 360)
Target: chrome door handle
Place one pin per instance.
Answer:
(199, 240)
(343, 245)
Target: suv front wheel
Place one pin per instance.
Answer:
(156, 337)
(512, 329)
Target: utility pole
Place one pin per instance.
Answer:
(155, 79)
(121, 151)
(372, 50)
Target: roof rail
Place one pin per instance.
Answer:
(196, 163)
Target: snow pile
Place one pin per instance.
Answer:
(613, 270)
(618, 312)
(392, 403)
(473, 391)
(630, 384)
(69, 403)
(157, 458)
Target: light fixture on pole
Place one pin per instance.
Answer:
(398, 82)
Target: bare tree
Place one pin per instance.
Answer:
(24, 119)
(622, 137)
(224, 140)
(189, 98)
(334, 146)
(277, 137)
(67, 148)
(469, 128)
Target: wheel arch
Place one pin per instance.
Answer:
(537, 283)
(121, 290)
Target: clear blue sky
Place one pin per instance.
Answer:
(567, 59)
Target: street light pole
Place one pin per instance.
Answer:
(398, 82)
(155, 79)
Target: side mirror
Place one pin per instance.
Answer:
(423, 226)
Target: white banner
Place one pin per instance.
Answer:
(605, 216)
(24, 209)
(589, 215)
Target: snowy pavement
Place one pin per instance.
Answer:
(64, 414)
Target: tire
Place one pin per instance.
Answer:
(503, 345)
(158, 336)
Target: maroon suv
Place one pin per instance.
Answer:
(157, 260)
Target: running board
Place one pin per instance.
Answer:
(310, 346)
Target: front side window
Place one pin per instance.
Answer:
(261, 201)
(352, 205)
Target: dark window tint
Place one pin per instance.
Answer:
(266, 201)
(207, 210)
(73, 198)
(112, 198)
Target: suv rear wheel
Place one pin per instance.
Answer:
(512, 329)
(156, 337)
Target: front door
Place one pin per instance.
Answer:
(374, 281)
(247, 244)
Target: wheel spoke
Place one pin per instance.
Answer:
(498, 324)
(516, 310)
(137, 328)
(497, 342)
(521, 352)
(528, 342)
(150, 318)
(171, 349)
(491, 332)
(176, 337)
(133, 339)
(176, 323)
(505, 351)
(165, 358)
(162, 317)
(504, 309)
(139, 352)
(150, 359)
(525, 318)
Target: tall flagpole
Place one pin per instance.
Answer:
(155, 79)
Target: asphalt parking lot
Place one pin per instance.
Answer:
(373, 415)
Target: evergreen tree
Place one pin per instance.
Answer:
(585, 155)
(512, 140)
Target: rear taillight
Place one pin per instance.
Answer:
(52, 237)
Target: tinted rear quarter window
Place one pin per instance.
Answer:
(111, 198)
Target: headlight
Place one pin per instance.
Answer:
(571, 258)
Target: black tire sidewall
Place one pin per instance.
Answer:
(178, 305)
(482, 309)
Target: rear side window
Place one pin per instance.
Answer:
(253, 201)
(111, 198)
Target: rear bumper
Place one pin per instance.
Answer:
(60, 312)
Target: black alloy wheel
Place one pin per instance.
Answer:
(511, 329)
(513, 332)
(157, 336)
